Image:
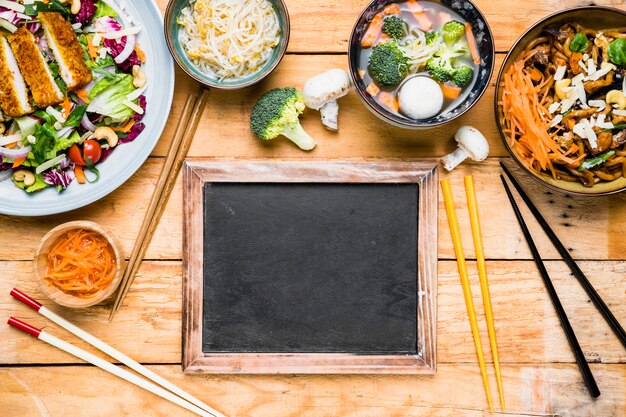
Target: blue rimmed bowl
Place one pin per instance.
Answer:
(172, 35)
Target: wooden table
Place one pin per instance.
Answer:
(540, 375)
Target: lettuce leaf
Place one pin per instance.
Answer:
(108, 96)
(104, 10)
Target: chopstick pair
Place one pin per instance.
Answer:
(176, 154)
(587, 375)
(160, 387)
(484, 283)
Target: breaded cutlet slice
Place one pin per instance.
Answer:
(67, 51)
(14, 100)
(35, 70)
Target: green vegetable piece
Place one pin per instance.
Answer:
(52, 6)
(453, 31)
(394, 27)
(579, 43)
(39, 184)
(617, 52)
(462, 76)
(387, 64)
(441, 66)
(432, 37)
(108, 96)
(104, 10)
(76, 116)
(27, 125)
(594, 162)
(276, 113)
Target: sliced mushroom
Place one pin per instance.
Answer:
(322, 92)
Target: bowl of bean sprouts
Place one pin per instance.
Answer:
(227, 44)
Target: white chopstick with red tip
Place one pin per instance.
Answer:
(192, 403)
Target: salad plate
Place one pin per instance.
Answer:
(119, 165)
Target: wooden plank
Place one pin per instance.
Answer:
(591, 227)
(149, 326)
(313, 31)
(535, 390)
(361, 133)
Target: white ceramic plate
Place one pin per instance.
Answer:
(122, 163)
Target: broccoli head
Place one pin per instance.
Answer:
(462, 76)
(387, 64)
(441, 65)
(432, 37)
(276, 113)
(453, 31)
(394, 27)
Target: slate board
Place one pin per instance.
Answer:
(310, 267)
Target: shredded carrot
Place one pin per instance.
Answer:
(472, 43)
(140, 54)
(422, 20)
(372, 89)
(83, 95)
(536, 75)
(451, 92)
(67, 107)
(81, 263)
(391, 9)
(80, 174)
(388, 100)
(529, 120)
(91, 50)
(18, 162)
(10, 145)
(373, 31)
(125, 128)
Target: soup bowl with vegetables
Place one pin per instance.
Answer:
(420, 64)
(561, 101)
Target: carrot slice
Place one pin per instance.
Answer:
(420, 16)
(91, 50)
(80, 174)
(67, 107)
(391, 9)
(125, 128)
(451, 92)
(472, 43)
(372, 89)
(83, 95)
(373, 31)
(140, 54)
(388, 100)
(18, 162)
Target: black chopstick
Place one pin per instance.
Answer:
(569, 331)
(580, 276)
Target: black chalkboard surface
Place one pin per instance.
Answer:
(310, 268)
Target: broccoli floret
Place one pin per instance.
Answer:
(276, 113)
(432, 37)
(453, 31)
(395, 27)
(462, 75)
(387, 64)
(441, 65)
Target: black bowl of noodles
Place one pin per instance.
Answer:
(575, 61)
(227, 44)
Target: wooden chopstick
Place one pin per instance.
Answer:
(109, 350)
(467, 291)
(107, 366)
(580, 276)
(587, 375)
(484, 282)
(176, 154)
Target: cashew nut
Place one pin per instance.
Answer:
(75, 7)
(25, 176)
(616, 97)
(139, 77)
(560, 86)
(104, 132)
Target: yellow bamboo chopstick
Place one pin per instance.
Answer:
(467, 291)
(484, 282)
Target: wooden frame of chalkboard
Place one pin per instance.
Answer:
(197, 173)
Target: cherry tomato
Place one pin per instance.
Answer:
(76, 155)
(92, 150)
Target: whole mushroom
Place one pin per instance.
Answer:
(471, 144)
(322, 92)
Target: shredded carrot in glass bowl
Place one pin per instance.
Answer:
(80, 263)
